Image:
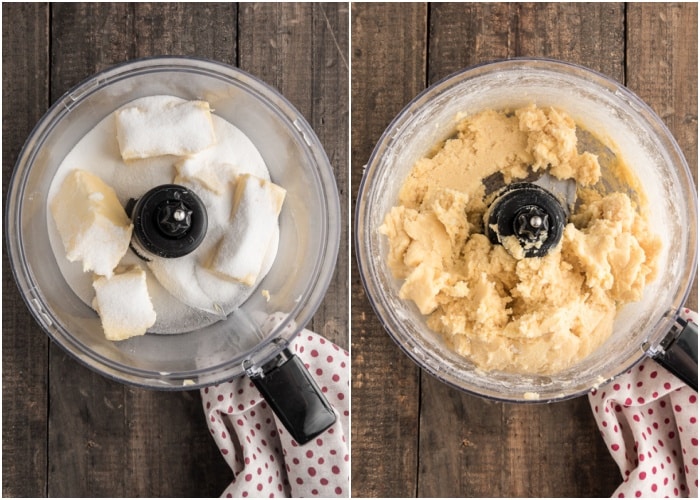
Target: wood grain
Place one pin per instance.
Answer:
(388, 69)
(25, 73)
(330, 119)
(71, 432)
(462, 35)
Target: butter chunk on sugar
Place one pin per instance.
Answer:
(93, 226)
(123, 303)
(256, 207)
(164, 126)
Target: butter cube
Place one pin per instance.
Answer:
(123, 303)
(161, 125)
(256, 207)
(92, 223)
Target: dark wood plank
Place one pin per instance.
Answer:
(126, 31)
(330, 119)
(662, 68)
(463, 35)
(301, 49)
(478, 448)
(588, 34)
(277, 50)
(199, 29)
(107, 439)
(25, 97)
(505, 449)
(388, 70)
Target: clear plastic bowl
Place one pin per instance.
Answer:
(309, 226)
(616, 116)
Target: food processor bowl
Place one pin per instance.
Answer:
(624, 125)
(308, 242)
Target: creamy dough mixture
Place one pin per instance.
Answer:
(526, 315)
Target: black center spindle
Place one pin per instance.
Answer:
(530, 213)
(170, 221)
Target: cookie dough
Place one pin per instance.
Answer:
(522, 315)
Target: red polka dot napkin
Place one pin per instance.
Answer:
(265, 460)
(648, 419)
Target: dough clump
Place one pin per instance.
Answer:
(526, 315)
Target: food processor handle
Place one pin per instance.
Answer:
(679, 353)
(293, 395)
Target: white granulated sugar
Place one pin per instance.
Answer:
(200, 170)
(92, 223)
(124, 304)
(221, 289)
(160, 126)
(256, 206)
(181, 282)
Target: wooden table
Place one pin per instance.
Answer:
(412, 435)
(66, 430)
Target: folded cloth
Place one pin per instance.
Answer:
(265, 460)
(649, 421)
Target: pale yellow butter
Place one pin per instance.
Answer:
(200, 170)
(123, 304)
(92, 223)
(241, 251)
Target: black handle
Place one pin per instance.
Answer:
(293, 395)
(679, 352)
